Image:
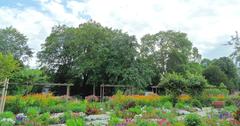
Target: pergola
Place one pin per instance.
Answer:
(4, 86)
(49, 85)
(103, 86)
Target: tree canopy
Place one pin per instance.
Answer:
(8, 66)
(14, 42)
(93, 54)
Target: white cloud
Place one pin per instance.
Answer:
(208, 23)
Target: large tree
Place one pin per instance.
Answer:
(214, 75)
(228, 67)
(166, 51)
(93, 54)
(14, 42)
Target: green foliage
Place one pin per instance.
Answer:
(8, 66)
(7, 114)
(174, 84)
(229, 68)
(192, 120)
(44, 118)
(57, 108)
(231, 108)
(76, 122)
(136, 110)
(93, 54)
(196, 103)
(165, 51)
(215, 92)
(12, 41)
(33, 112)
(7, 122)
(180, 105)
(77, 106)
(114, 120)
(168, 105)
(141, 122)
(195, 84)
(15, 104)
(27, 75)
(214, 75)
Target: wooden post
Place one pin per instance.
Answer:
(100, 92)
(94, 89)
(68, 91)
(5, 95)
(103, 93)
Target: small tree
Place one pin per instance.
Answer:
(196, 84)
(174, 84)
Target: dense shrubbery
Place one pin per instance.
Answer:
(192, 120)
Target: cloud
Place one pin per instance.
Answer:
(207, 23)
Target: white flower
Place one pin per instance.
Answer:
(9, 120)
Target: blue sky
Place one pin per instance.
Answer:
(208, 23)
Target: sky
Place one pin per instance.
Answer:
(208, 23)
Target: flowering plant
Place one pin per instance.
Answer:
(7, 122)
(184, 97)
(92, 98)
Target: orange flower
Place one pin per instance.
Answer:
(184, 97)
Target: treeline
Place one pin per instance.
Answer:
(92, 54)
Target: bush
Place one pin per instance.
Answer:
(77, 106)
(44, 118)
(114, 120)
(168, 105)
(175, 84)
(7, 115)
(135, 110)
(196, 103)
(92, 109)
(180, 105)
(58, 108)
(33, 112)
(192, 120)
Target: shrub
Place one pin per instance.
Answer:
(44, 118)
(114, 120)
(32, 112)
(15, 104)
(229, 102)
(135, 110)
(92, 109)
(236, 100)
(180, 105)
(75, 122)
(175, 84)
(167, 105)
(195, 84)
(230, 108)
(196, 103)
(58, 108)
(77, 106)
(7, 115)
(192, 120)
